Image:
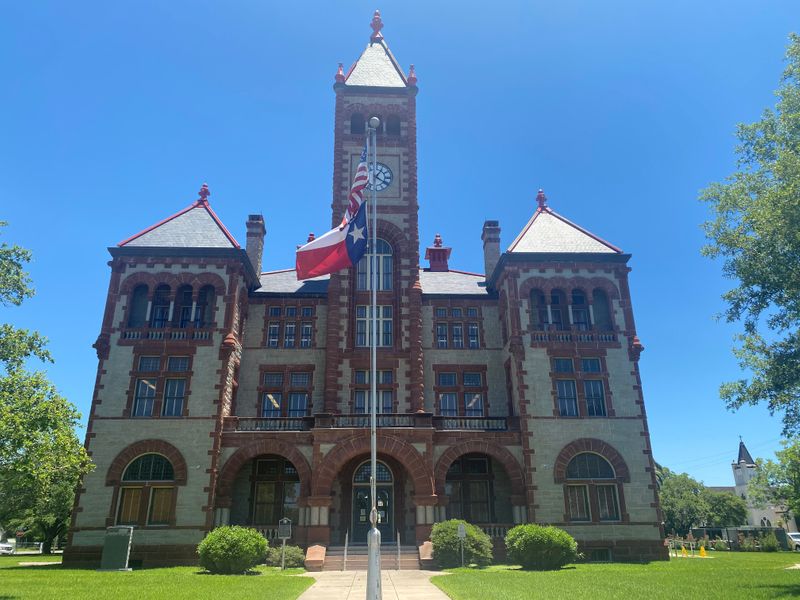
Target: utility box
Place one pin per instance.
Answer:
(116, 548)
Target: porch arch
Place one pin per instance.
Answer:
(232, 466)
(496, 451)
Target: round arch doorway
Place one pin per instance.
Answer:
(384, 491)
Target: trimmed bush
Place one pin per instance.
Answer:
(541, 548)
(769, 543)
(232, 550)
(720, 545)
(295, 557)
(447, 545)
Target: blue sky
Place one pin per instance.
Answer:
(112, 114)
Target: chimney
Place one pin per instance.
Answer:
(255, 240)
(491, 246)
(438, 255)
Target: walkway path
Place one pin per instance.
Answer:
(352, 585)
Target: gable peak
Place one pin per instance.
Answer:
(377, 25)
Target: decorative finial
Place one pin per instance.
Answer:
(376, 25)
(412, 76)
(437, 241)
(204, 193)
(310, 237)
(340, 74)
(541, 198)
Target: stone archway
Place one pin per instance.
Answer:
(496, 451)
(232, 466)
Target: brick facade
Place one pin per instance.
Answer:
(232, 454)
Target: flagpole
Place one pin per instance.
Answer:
(374, 536)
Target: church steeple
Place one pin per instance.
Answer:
(744, 455)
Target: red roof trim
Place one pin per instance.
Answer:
(194, 205)
(550, 211)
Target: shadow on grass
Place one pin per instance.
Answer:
(790, 590)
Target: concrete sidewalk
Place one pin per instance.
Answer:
(352, 585)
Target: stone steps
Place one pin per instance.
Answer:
(357, 558)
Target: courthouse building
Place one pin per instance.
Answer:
(228, 395)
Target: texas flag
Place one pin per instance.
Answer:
(336, 250)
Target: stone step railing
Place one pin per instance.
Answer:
(495, 530)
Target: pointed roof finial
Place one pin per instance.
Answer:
(310, 237)
(340, 74)
(412, 76)
(204, 193)
(541, 199)
(376, 25)
(437, 241)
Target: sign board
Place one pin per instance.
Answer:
(284, 529)
(116, 549)
(462, 531)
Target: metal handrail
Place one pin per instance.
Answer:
(344, 563)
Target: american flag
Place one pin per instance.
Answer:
(357, 189)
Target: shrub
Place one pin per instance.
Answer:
(769, 543)
(295, 557)
(447, 545)
(232, 550)
(720, 545)
(541, 548)
(747, 544)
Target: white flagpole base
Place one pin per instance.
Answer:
(374, 591)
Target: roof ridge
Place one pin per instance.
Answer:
(183, 211)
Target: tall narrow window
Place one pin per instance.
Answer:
(392, 125)
(288, 335)
(385, 390)
(590, 483)
(273, 333)
(137, 312)
(473, 396)
(204, 314)
(159, 313)
(139, 497)
(580, 311)
(306, 334)
(469, 489)
(144, 395)
(602, 310)
(473, 334)
(357, 123)
(567, 398)
(539, 320)
(382, 272)
(457, 330)
(174, 394)
(441, 335)
(275, 491)
(183, 308)
(595, 398)
(364, 325)
(558, 307)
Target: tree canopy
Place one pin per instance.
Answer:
(777, 483)
(41, 458)
(755, 230)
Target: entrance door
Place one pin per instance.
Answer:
(362, 505)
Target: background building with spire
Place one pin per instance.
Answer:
(228, 394)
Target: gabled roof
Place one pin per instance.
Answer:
(744, 455)
(376, 67)
(196, 226)
(547, 231)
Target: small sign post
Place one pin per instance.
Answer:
(462, 534)
(284, 533)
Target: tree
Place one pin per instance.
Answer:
(777, 483)
(725, 509)
(754, 230)
(41, 458)
(683, 501)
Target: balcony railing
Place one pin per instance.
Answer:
(573, 336)
(361, 421)
(471, 423)
(154, 333)
(495, 530)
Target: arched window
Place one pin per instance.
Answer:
(384, 271)
(469, 489)
(392, 125)
(159, 313)
(558, 309)
(602, 310)
(539, 318)
(357, 123)
(147, 493)
(580, 311)
(591, 489)
(183, 306)
(383, 473)
(137, 311)
(275, 491)
(204, 313)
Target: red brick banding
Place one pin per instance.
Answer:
(594, 446)
(481, 446)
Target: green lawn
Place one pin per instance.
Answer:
(44, 583)
(726, 575)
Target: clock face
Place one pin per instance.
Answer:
(383, 176)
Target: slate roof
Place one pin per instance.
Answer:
(744, 454)
(376, 67)
(547, 231)
(196, 226)
(447, 282)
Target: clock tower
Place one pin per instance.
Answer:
(376, 86)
